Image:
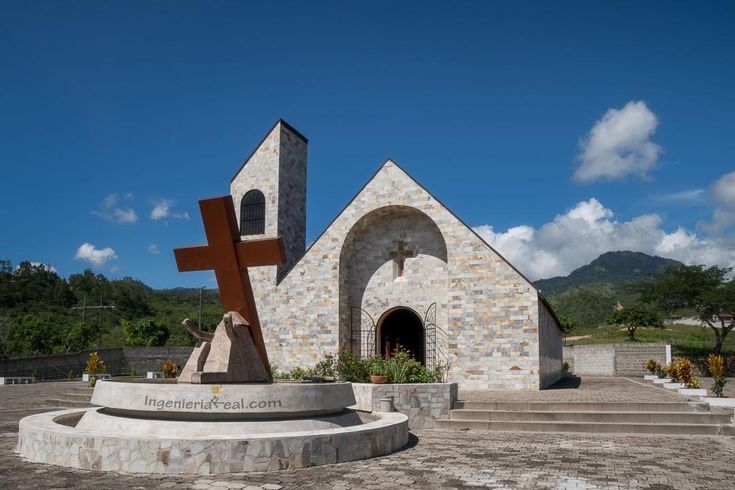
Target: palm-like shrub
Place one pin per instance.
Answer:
(716, 367)
(685, 371)
(651, 366)
(95, 364)
(170, 369)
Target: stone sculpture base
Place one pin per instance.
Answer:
(230, 357)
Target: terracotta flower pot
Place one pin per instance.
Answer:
(378, 380)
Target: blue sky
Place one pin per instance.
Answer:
(494, 107)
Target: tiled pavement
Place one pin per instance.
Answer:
(433, 459)
(588, 389)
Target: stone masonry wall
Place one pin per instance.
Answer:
(117, 360)
(492, 313)
(550, 347)
(613, 359)
(423, 403)
(369, 276)
(630, 358)
(594, 360)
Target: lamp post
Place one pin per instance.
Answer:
(201, 289)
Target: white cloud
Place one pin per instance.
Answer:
(691, 195)
(110, 212)
(93, 255)
(588, 230)
(162, 210)
(619, 145)
(153, 248)
(723, 191)
(723, 195)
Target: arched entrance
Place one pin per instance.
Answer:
(401, 326)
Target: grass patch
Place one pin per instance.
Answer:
(683, 338)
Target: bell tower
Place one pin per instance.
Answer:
(269, 192)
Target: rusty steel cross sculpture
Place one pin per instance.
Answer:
(230, 258)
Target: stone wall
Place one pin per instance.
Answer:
(370, 278)
(423, 403)
(550, 347)
(613, 359)
(117, 360)
(630, 357)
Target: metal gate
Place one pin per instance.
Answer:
(434, 352)
(362, 333)
(362, 336)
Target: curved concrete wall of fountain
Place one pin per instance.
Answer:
(158, 399)
(128, 437)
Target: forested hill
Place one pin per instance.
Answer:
(611, 269)
(42, 313)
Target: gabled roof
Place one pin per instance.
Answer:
(392, 162)
(283, 124)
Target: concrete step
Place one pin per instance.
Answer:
(82, 397)
(690, 406)
(65, 402)
(83, 389)
(588, 427)
(607, 417)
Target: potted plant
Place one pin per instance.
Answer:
(378, 373)
(94, 369)
(170, 369)
(651, 367)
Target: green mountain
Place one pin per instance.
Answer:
(610, 268)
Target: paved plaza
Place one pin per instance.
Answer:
(434, 458)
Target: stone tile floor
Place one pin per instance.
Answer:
(433, 459)
(587, 389)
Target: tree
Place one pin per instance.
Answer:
(633, 317)
(146, 333)
(35, 335)
(716, 308)
(566, 325)
(79, 336)
(703, 289)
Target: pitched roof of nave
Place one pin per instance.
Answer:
(388, 163)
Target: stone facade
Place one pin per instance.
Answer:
(482, 316)
(422, 403)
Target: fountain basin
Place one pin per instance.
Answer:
(158, 398)
(310, 427)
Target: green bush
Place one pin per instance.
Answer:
(350, 368)
(401, 367)
(326, 366)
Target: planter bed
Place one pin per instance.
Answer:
(423, 403)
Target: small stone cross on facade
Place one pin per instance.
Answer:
(399, 255)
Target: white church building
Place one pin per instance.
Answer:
(395, 267)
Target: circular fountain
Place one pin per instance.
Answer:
(224, 413)
(163, 427)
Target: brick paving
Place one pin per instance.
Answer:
(587, 389)
(433, 459)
